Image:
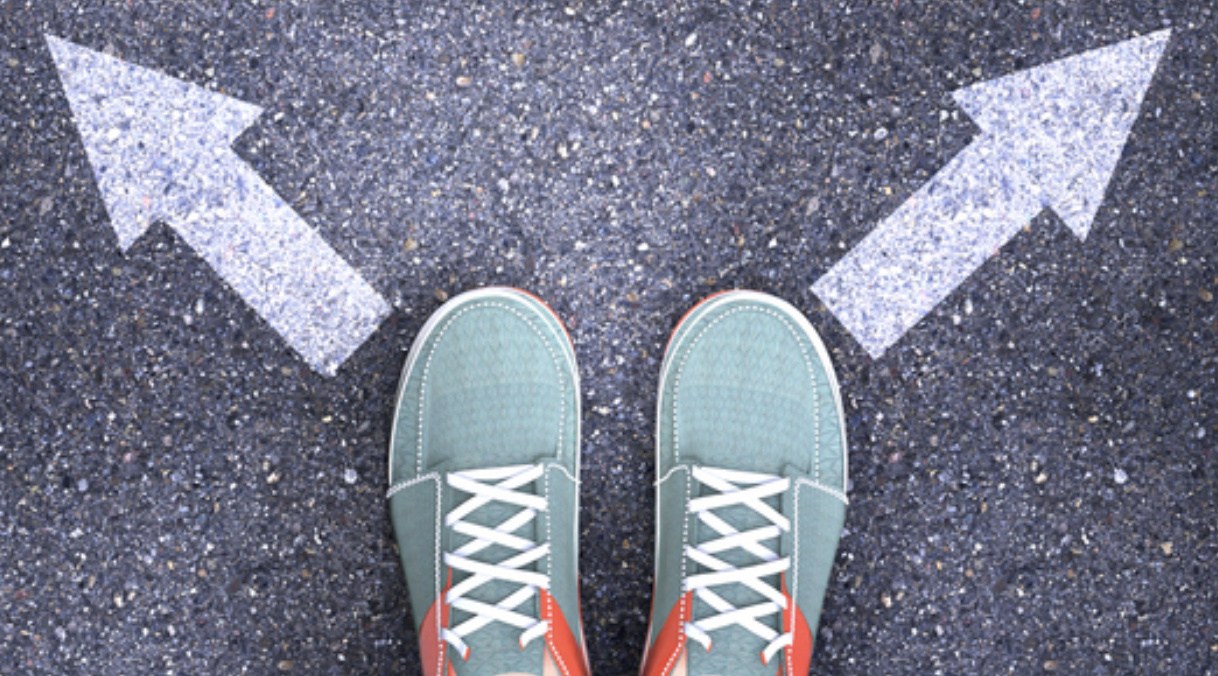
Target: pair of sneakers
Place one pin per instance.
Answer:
(484, 490)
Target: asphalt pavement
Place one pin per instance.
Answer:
(183, 490)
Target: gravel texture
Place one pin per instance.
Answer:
(1033, 465)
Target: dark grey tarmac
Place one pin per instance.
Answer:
(1034, 466)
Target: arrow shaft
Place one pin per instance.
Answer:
(930, 245)
(161, 149)
(277, 263)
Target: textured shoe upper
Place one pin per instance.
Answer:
(484, 492)
(746, 387)
(491, 385)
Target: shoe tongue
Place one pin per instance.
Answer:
(495, 648)
(735, 651)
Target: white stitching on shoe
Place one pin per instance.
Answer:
(681, 599)
(431, 353)
(795, 554)
(670, 473)
(789, 651)
(838, 494)
(549, 516)
(800, 483)
(439, 591)
(430, 476)
(565, 471)
(841, 497)
(676, 439)
(659, 526)
(550, 562)
(403, 485)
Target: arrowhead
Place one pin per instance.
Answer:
(144, 133)
(1067, 121)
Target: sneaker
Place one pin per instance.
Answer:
(750, 491)
(484, 489)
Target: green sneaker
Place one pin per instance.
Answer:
(484, 489)
(750, 491)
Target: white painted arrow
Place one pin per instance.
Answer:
(1051, 137)
(161, 149)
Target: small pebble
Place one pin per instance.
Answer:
(350, 476)
(1119, 476)
(876, 52)
(82, 485)
(881, 134)
(441, 295)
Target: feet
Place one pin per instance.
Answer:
(484, 496)
(750, 493)
(751, 474)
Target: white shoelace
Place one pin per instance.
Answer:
(485, 486)
(749, 489)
